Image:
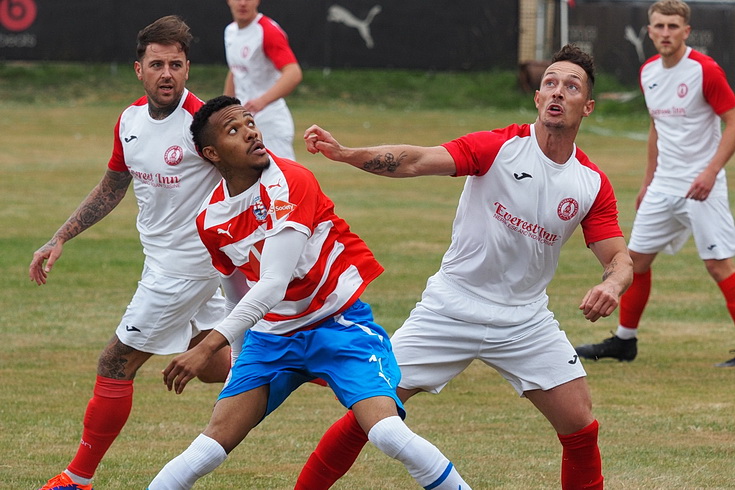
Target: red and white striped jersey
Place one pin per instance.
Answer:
(335, 267)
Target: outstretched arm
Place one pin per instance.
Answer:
(602, 299)
(387, 160)
(99, 203)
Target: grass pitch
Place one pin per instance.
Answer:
(666, 419)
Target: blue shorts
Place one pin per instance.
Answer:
(349, 351)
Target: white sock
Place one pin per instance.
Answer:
(201, 457)
(626, 333)
(424, 462)
(77, 478)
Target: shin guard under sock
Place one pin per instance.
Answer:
(581, 465)
(106, 414)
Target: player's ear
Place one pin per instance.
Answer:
(210, 153)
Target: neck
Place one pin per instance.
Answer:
(160, 113)
(556, 143)
(674, 58)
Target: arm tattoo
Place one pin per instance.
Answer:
(384, 163)
(609, 270)
(98, 204)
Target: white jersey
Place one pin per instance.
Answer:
(684, 102)
(516, 211)
(255, 55)
(170, 181)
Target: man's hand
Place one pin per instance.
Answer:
(49, 253)
(320, 141)
(599, 302)
(187, 366)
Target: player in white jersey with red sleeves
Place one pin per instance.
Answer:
(177, 301)
(293, 273)
(263, 70)
(528, 188)
(684, 191)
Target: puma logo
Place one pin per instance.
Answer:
(220, 231)
(344, 16)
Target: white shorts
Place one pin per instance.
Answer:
(663, 223)
(167, 312)
(431, 348)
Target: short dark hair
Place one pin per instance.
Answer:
(573, 54)
(200, 125)
(168, 30)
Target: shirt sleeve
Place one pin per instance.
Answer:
(275, 44)
(117, 160)
(281, 253)
(601, 222)
(716, 89)
(475, 153)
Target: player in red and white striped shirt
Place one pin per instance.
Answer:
(293, 273)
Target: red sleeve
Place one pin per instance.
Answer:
(475, 153)
(117, 160)
(275, 43)
(716, 89)
(601, 222)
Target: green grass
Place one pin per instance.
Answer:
(666, 419)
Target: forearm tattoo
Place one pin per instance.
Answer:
(381, 164)
(103, 199)
(610, 269)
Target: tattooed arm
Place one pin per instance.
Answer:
(601, 300)
(99, 203)
(387, 160)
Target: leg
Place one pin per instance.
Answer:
(232, 419)
(378, 416)
(337, 451)
(569, 409)
(107, 410)
(723, 272)
(623, 345)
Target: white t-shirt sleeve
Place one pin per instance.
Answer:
(280, 255)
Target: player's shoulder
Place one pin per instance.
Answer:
(269, 25)
(192, 103)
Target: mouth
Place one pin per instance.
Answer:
(555, 109)
(258, 148)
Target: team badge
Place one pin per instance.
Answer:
(567, 209)
(173, 155)
(682, 90)
(259, 210)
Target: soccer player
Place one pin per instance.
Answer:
(293, 273)
(528, 187)
(684, 190)
(178, 299)
(263, 70)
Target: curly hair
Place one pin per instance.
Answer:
(200, 125)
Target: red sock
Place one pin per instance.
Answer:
(727, 286)
(334, 455)
(634, 300)
(105, 417)
(581, 465)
